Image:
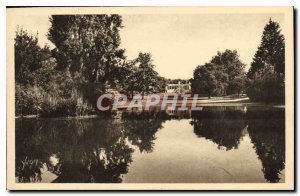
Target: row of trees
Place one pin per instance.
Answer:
(225, 73)
(87, 60)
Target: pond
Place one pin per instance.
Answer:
(233, 144)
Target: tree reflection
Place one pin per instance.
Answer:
(267, 132)
(98, 150)
(87, 150)
(31, 153)
(222, 125)
(140, 128)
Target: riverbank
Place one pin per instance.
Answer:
(201, 102)
(213, 101)
(60, 117)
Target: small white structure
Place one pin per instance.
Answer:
(178, 88)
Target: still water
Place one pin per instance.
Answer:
(217, 144)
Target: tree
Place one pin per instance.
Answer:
(223, 75)
(138, 75)
(88, 44)
(146, 75)
(233, 67)
(237, 85)
(29, 57)
(130, 77)
(29, 60)
(271, 50)
(161, 84)
(266, 86)
(266, 74)
(205, 81)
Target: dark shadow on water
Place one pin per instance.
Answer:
(225, 126)
(140, 129)
(267, 132)
(100, 150)
(86, 150)
(222, 125)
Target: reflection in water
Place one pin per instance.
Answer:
(222, 125)
(267, 132)
(86, 150)
(104, 149)
(140, 128)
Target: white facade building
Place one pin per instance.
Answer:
(178, 88)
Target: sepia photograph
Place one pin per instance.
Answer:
(150, 98)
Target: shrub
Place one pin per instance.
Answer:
(28, 100)
(60, 106)
(267, 86)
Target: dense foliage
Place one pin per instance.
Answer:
(87, 61)
(29, 57)
(266, 74)
(223, 75)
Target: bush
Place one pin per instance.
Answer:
(73, 106)
(57, 94)
(267, 86)
(28, 100)
(35, 101)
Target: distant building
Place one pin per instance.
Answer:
(178, 87)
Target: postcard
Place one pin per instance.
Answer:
(150, 98)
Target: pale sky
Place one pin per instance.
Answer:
(178, 43)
